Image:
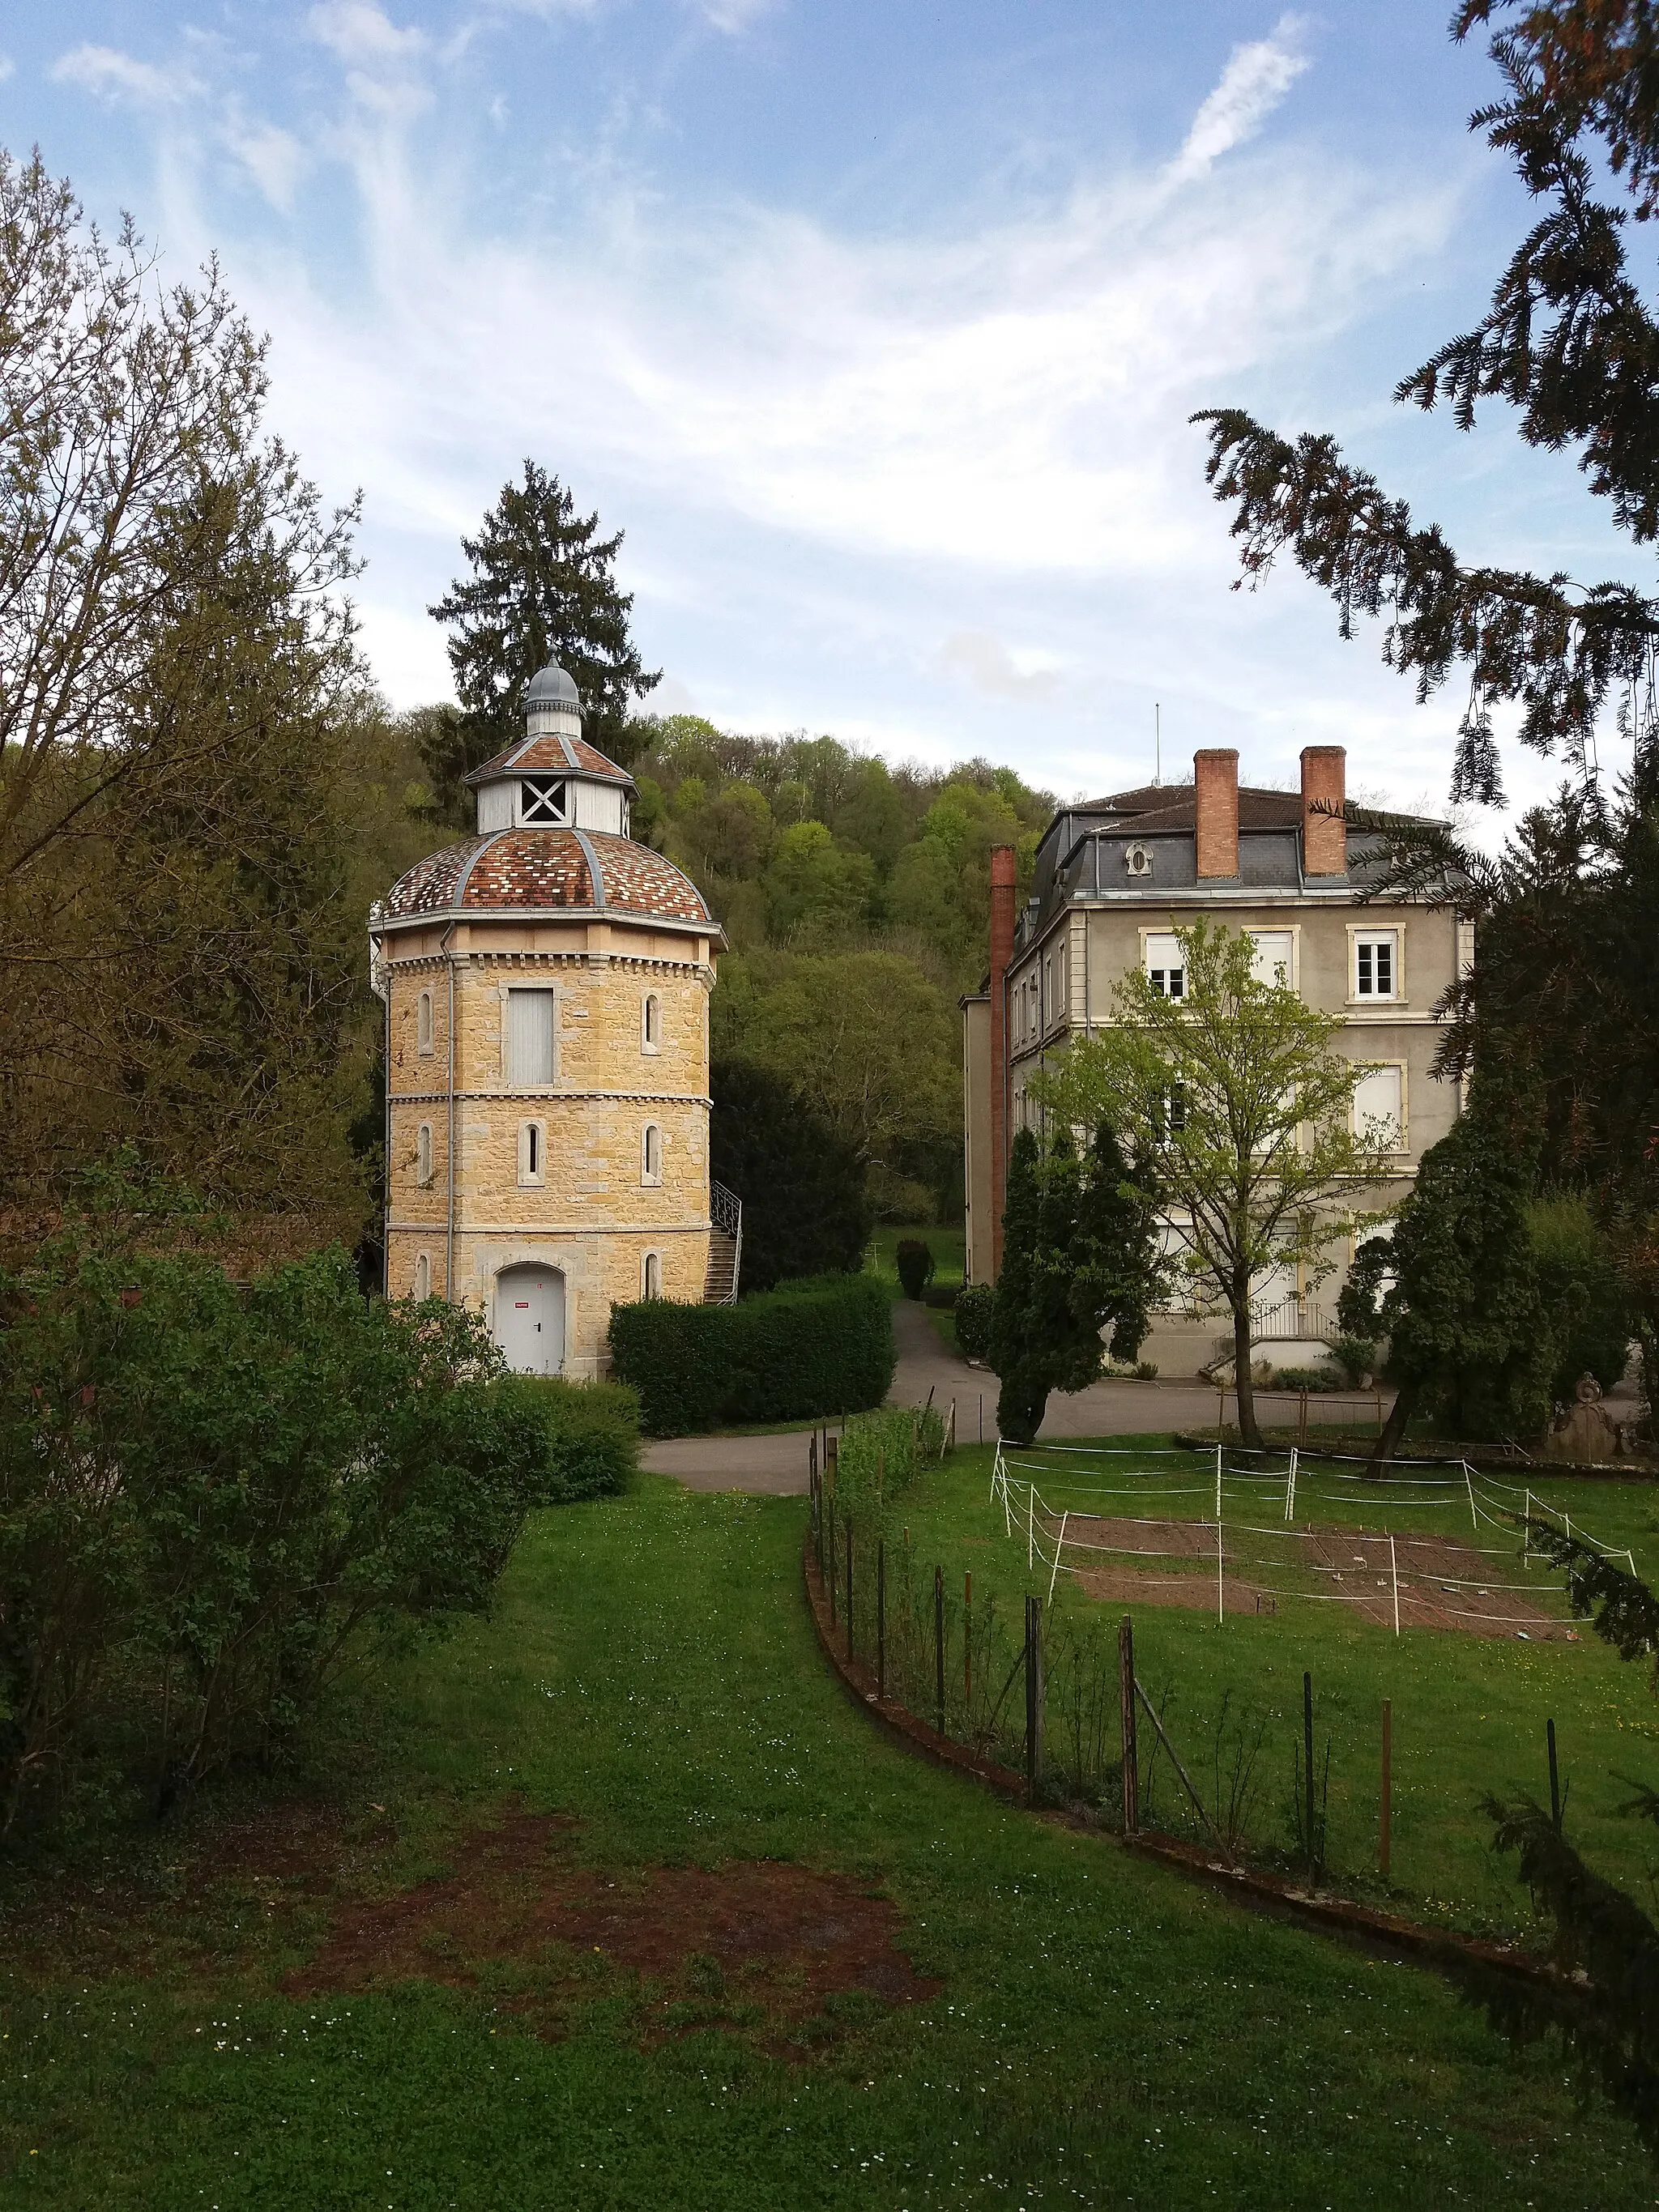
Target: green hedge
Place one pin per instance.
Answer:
(593, 1431)
(820, 1347)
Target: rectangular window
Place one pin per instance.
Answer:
(1378, 1107)
(529, 1038)
(1273, 960)
(1375, 964)
(1165, 969)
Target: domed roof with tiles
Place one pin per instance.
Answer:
(547, 870)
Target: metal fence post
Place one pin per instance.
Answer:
(848, 1597)
(938, 1644)
(1033, 1696)
(1126, 1684)
(831, 1548)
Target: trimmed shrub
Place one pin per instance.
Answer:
(915, 1265)
(973, 1311)
(814, 1347)
(593, 1432)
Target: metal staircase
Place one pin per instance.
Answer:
(725, 1247)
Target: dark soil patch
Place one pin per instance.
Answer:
(1439, 1583)
(763, 1946)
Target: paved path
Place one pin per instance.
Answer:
(777, 1464)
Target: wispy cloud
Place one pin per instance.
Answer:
(8, 67)
(918, 484)
(118, 78)
(1257, 76)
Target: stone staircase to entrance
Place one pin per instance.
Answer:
(725, 1247)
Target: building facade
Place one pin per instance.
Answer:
(546, 987)
(1116, 878)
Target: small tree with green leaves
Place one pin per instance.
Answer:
(1238, 1094)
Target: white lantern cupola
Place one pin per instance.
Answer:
(553, 779)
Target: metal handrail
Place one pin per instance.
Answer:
(726, 1214)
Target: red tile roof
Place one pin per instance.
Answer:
(568, 756)
(590, 871)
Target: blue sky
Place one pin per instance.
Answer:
(875, 325)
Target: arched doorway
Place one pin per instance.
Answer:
(530, 1319)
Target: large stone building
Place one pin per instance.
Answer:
(546, 984)
(1114, 878)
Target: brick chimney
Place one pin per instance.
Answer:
(1003, 874)
(1324, 831)
(1215, 780)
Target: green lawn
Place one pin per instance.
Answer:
(1469, 1712)
(1101, 2032)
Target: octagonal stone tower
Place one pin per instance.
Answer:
(546, 985)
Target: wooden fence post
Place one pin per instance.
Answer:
(830, 1547)
(1126, 1677)
(938, 1644)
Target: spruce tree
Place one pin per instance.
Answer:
(1466, 1323)
(542, 588)
(1078, 1255)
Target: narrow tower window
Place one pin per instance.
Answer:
(423, 1153)
(422, 1275)
(532, 1148)
(423, 1022)
(651, 1023)
(651, 1154)
(651, 1275)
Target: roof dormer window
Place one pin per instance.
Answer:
(542, 798)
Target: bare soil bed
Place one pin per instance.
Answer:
(758, 1945)
(1441, 1584)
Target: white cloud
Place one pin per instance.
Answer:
(733, 16)
(987, 664)
(1257, 76)
(274, 159)
(360, 33)
(112, 75)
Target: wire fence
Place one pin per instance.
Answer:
(1051, 1691)
(1442, 1544)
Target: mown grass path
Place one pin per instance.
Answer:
(1102, 2034)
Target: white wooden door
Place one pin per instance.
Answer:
(530, 1319)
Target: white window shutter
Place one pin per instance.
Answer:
(530, 1038)
(1272, 960)
(1377, 1099)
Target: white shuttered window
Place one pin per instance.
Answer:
(1166, 964)
(529, 1038)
